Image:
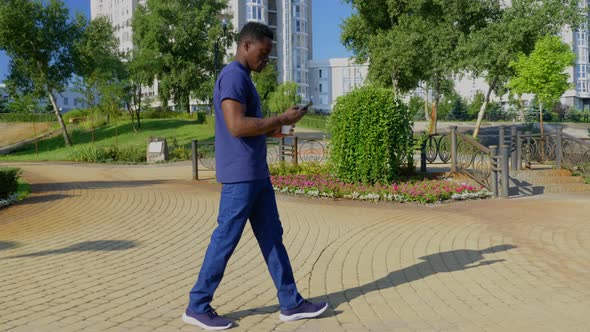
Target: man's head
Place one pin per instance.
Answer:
(254, 45)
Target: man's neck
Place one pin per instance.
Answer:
(242, 60)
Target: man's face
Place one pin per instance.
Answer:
(257, 53)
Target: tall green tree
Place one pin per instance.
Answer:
(543, 72)
(266, 82)
(283, 97)
(408, 42)
(512, 31)
(39, 37)
(177, 38)
(98, 61)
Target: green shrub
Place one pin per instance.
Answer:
(93, 123)
(87, 153)
(131, 154)
(371, 136)
(98, 154)
(8, 181)
(74, 114)
(177, 151)
(199, 116)
(306, 168)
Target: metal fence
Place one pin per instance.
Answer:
(290, 149)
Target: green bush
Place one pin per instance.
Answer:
(371, 136)
(27, 117)
(74, 114)
(88, 153)
(177, 151)
(199, 116)
(306, 168)
(8, 181)
(98, 154)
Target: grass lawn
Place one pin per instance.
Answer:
(184, 130)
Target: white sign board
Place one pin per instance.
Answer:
(155, 147)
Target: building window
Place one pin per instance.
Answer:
(66, 101)
(320, 73)
(321, 88)
(254, 10)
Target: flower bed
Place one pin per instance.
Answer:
(11, 199)
(424, 191)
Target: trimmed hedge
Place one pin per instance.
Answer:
(371, 140)
(8, 181)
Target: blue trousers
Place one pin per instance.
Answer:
(253, 200)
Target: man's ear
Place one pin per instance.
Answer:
(247, 44)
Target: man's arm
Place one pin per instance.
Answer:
(240, 125)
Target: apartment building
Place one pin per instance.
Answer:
(289, 19)
(119, 13)
(332, 78)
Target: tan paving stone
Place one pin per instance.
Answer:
(117, 248)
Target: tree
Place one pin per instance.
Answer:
(39, 41)
(284, 97)
(98, 61)
(178, 39)
(266, 82)
(3, 104)
(543, 72)
(412, 41)
(99, 66)
(513, 30)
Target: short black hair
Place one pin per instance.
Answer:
(255, 31)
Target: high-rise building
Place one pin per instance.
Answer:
(579, 74)
(119, 13)
(289, 19)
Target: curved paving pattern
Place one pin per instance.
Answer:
(117, 249)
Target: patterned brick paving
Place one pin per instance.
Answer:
(100, 248)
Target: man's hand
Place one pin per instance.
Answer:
(292, 115)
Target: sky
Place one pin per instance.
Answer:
(327, 17)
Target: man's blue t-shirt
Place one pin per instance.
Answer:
(238, 159)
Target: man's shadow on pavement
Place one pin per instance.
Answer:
(448, 261)
(102, 245)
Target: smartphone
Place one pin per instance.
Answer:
(306, 107)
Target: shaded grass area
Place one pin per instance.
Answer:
(119, 134)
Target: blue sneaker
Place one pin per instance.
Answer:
(209, 321)
(305, 310)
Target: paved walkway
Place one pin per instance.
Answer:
(100, 248)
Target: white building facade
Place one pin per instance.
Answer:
(289, 19)
(332, 78)
(119, 13)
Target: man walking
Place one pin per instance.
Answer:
(247, 193)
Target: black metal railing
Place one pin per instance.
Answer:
(293, 149)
